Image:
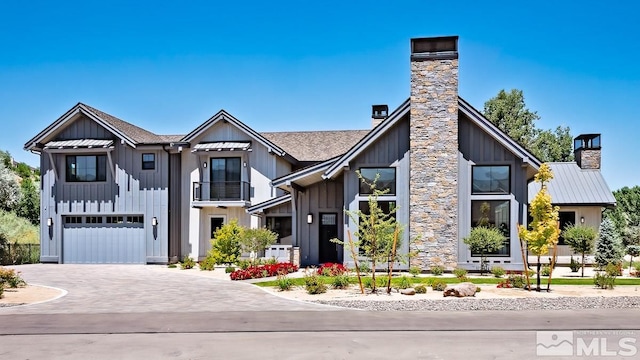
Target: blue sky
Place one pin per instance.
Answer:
(303, 65)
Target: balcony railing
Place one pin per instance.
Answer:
(221, 191)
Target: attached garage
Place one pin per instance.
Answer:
(116, 239)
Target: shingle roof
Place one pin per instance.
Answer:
(572, 185)
(137, 134)
(316, 145)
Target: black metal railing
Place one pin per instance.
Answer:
(16, 254)
(221, 191)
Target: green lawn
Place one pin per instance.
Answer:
(475, 280)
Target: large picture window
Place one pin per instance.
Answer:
(280, 225)
(493, 213)
(86, 168)
(491, 180)
(387, 207)
(386, 180)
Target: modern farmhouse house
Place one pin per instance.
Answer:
(115, 193)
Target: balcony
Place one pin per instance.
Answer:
(222, 193)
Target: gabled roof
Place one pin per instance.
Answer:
(305, 176)
(367, 140)
(261, 207)
(225, 116)
(500, 136)
(129, 133)
(572, 185)
(316, 145)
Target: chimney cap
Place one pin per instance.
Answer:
(434, 48)
(379, 111)
(587, 141)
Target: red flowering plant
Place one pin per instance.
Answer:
(331, 269)
(260, 271)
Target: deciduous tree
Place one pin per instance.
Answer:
(581, 239)
(543, 231)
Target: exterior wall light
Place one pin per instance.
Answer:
(309, 218)
(154, 221)
(50, 222)
(582, 220)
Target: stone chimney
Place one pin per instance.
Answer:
(587, 151)
(433, 183)
(378, 114)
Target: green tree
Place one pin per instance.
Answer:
(581, 239)
(626, 214)
(23, 170)
(549, 146)
(633, 251)
(544, 231)
(255, 240)
(484, 240)
(29, 204)
(609, 246)
(225, 245)
(9, 189)
(509, 113)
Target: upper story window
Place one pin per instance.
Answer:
(491, 179)
(86, 168)
(148, 161)
(386, 180)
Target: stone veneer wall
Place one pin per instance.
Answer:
(433, 219)
(588, 158)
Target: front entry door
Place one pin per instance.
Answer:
(328, 231)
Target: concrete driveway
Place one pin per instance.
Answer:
(94, 289)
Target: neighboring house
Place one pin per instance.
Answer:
(578, 188)
(444, 165)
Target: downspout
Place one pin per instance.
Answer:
(169, 193)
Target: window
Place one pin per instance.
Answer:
(216, 223)
(115, 220)
(225, 178)
(493, 213)
(148, 161)
(566, 218)
(280, 226)
(93, 220)
(386, 180)
(73, 220)
(491, 180)
(86, 168)
(387, 207)
(135, 219)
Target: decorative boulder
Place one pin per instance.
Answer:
(460, 290)
(408, 291)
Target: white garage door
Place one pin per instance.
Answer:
(103, 240)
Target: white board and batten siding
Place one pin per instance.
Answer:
(133, 192)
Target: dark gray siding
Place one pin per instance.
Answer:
(133, 191)
(390, 150)
(322, 197)
(479, 148)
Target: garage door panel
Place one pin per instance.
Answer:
(117, 240)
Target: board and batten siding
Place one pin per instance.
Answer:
(479, 148)
(133, 192)
(390, 150)
(321, 197)
(259, 167)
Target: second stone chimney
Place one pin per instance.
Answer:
(587, 151)
(433, 134)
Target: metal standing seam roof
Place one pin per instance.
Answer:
(222, 145)
(572, 185)
(83, 143)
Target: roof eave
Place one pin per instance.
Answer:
(368, 139)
